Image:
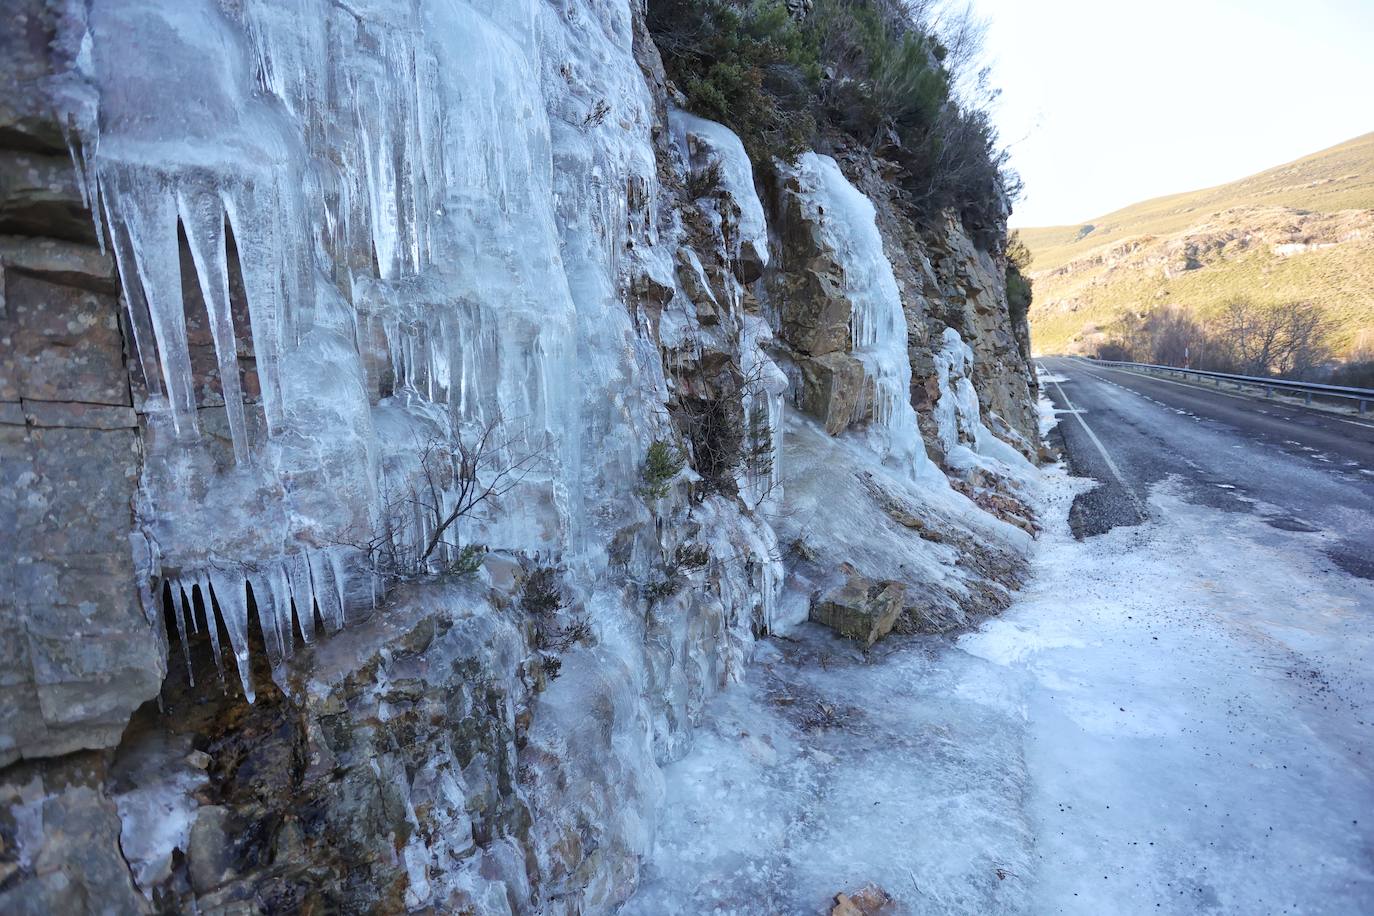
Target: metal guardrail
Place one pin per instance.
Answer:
(1362, 396)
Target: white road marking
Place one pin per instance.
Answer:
(1111, 465)
(1251, 399)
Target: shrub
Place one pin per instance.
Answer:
(686, 557)
(1019, 292)
(468, 561)
(715, 426)
(662, 463)
(871, 69)
(540, 595)
(691, 556)
(746, 63)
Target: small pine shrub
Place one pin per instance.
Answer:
(660, 589)
(691, 556)
(468, 561)
(662, 463)
(540, 595)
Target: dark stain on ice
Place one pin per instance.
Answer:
(1289, 523)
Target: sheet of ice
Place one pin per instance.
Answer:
(958, 414)
(1168, 720)
(705, 145)
(827, 770)
(842, 500)
(848, 223)
(436, 210)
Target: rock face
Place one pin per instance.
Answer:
(77, 656)
(260, 331)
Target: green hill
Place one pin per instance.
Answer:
(1301, 231)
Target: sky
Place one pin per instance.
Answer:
(1105, 103)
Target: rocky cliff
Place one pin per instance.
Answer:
(410, 417)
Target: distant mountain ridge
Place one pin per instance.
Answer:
(1300, 231)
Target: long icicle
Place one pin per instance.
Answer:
(211, 622)
(233, 607)
(303, 595)
(178, 613)
(202, 216)
(151, 220)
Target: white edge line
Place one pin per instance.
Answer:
(1111, 465)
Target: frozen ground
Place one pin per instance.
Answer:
(1175, 717)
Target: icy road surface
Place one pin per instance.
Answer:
(1175, 717)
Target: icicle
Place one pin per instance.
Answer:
(303, 594)
(254, 225)
(211, 624)
(267, 618)
(188, 607)
(202, 215)
(178, 611)
(339, 568)
(151, 221)
(280, 586)
(134, 302)
(233, 607)
(331, 611)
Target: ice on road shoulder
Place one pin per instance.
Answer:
(1171, 718)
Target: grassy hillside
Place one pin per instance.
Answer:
(1271, 236)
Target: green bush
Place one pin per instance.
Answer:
(745, 63)
(662, 463)
(1019, 291)
(859, 67)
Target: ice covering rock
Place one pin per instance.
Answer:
(341, 240)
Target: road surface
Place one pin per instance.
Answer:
(1302, 470)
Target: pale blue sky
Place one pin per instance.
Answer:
(1107, 102)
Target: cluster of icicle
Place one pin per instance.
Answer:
(286, 596)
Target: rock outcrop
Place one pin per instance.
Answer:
(335, 349)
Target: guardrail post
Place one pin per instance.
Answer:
(1268, 391)
(1308, 398)
(1363, 406)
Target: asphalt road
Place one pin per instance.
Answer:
(1300, 470)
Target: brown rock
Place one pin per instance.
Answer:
(832, 390)
(862, 608)
(870, 900)
(210, 856)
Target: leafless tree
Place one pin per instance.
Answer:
(1286, 339)
(455, 476)
(1304, 345)
(1176, 338)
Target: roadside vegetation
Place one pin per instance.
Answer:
(893, 76)
(1288, 340)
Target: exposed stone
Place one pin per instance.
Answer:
(861, 608)
(39, 195)
(64, 344)
(79, 654)
(56, 261)
(833, 389)
(814, 310)
(209, 857)
(61, 832)
(691, 277)
(869, 900)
